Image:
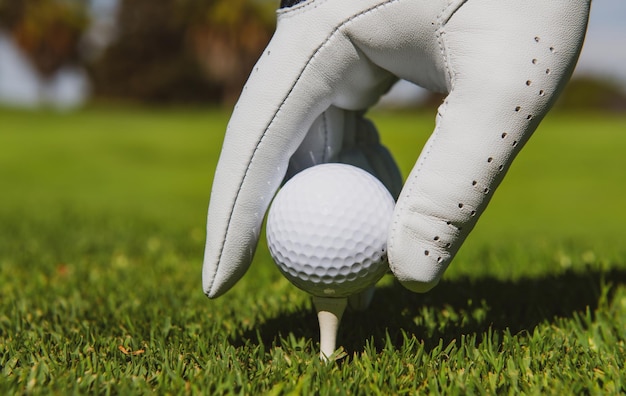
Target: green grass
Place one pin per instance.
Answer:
(102, 217)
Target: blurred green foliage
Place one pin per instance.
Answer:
(150, 60)
(48, 31)
(184, 50)
(592, 93)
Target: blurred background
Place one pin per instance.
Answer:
(64, 54)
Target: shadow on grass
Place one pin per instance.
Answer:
(451, 309)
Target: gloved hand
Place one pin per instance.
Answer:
(502, 64)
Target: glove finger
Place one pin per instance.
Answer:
(346, 136)
(362, 147)
(322, 143)
(305, 69)
(500, 93)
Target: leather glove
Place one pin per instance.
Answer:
(502, 63)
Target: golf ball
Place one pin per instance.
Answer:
(327, 230)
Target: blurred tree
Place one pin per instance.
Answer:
(48, 31)
(149, 60)
(592, 94)
(227, 37)
(183, 50)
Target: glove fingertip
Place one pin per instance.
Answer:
(418, 286)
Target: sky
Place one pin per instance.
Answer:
(604, 51)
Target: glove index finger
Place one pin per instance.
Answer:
(309, 64)
(263, 131)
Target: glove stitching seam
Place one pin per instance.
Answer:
(442, 19)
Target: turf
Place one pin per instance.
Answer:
(102, 217)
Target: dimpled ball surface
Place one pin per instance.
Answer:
(327, 230)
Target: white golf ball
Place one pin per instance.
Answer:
(327, 230)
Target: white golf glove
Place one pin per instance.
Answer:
(501, 62)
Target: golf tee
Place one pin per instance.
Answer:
(329, 313)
